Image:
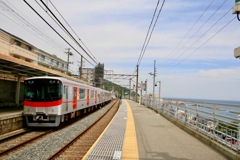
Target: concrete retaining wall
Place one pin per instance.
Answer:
(11, 123)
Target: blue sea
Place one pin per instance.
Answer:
(230, 109)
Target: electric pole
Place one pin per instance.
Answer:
(154, 75)
(137, 85)
(130, 88)
(81, 65)
(68, 54)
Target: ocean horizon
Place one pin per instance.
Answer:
(230, 102)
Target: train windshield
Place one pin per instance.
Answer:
(42, 90)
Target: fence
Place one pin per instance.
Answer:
(220, 122)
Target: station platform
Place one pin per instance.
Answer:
(137, 132)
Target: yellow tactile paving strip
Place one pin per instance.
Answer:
(130, 147)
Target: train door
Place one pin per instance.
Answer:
(74, 98)
(95, 96)
(87, 97)
(66, 96)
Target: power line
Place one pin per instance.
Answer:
(151, 32)
(67, 31)
(72, 29)
(148, 36)
(25, 24)
(183, 52)
(54, 30)
(145, 40)
(189, 30)
(201, 45)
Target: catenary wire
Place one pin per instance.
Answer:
(146, 42)
(205, 42)
(56, 31)
(152, 31)
(72, 29)
(68, 32)
(189, 30)
(23, 23)
(184, 51)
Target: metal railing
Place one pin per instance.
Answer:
(219, 121)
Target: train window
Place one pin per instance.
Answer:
(92, 93)
(82, 93)
(42, 90)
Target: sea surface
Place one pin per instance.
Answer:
(226, 110)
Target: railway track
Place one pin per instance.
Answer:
(48, 143)
(16, 142)
(78, 147)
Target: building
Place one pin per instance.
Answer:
(94, 75)
(11, 45)
(16, 47)
(51, 61)
(88, 74)
(19, 60)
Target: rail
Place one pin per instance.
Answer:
(219, 121)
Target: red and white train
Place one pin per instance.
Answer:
(48, 101)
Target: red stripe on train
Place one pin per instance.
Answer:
(42, 104)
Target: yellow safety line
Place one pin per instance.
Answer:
(130, 147)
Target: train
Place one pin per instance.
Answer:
(50, 101)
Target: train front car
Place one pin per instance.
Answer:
(42, 101)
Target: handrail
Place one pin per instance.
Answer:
(219, 121)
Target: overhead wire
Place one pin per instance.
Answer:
(56, 31)
(189, 47)
(189, 30)
(148, 36)
(145, 40)
(205, 42)
(152, 31)
(72, 29)
(180, 61)
(69, 32)
(23, 23)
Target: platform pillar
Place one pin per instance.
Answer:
(18, 85)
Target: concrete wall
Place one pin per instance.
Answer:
(11, 123)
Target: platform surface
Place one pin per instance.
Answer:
(7, 113)
(137, 132)
(158, 138)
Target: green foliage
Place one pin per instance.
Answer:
(117, 88)
(228, 128)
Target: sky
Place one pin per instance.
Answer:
(193, 41)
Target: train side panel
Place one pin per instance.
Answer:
(74, 97)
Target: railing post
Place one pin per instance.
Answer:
(185, 111)
(197, 117)
(214, 120)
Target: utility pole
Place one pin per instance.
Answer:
(130, 88)
(69, 54)
(137, 85)
(81, 65)
(154, 75)
(159, 90)
(140, 99)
